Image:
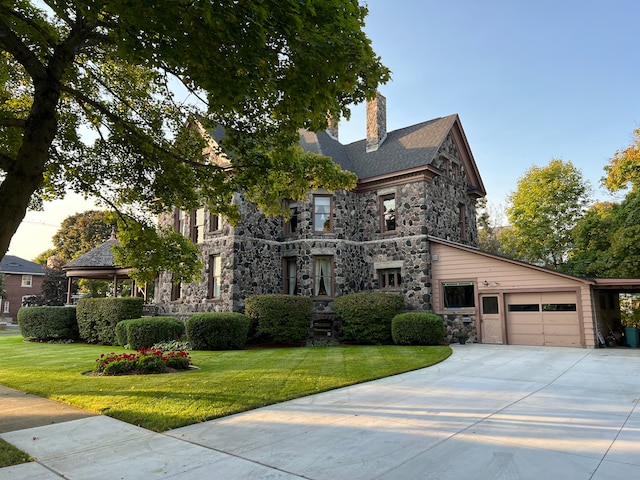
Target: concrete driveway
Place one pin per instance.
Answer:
(488, 412)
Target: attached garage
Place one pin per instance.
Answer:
(504, 301)
(545, 318)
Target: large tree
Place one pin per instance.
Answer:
(624, 167)
(80, 233)
(544, 209)
(87, 100)
(607, 238)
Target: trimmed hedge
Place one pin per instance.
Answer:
(98, 317)
(121, 332)
(145, 332)
(282, 318)
(48, 323)
(418, 328)
(217, 331)
(367, 316)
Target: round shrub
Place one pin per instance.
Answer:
(282, 318)
(367, 316)
(121, 333)
(418, 328)
(217, 331)
(149, 363)
(145, 332)
(48, 323)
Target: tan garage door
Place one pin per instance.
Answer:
(543, 319)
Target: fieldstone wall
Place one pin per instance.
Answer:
(459, 323)
(253, 252)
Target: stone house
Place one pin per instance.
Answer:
(22, 279)
(414, 183)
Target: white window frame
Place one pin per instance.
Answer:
(322, 221)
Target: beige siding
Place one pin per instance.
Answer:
(494, 275)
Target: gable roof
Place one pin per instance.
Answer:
(19, 266)
(408, 150)
(405, 150)
(619, 284)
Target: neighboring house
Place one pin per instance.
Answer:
(22, 279)
(414, 182)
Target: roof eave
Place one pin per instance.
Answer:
(423, 172)
(477, 251)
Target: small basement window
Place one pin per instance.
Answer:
(458, 295)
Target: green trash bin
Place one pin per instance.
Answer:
(631, 334)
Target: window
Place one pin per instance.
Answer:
(6, 307)
(389, 278)
(445, 166)
(214, 222)
(524, 307)
(463, 221)
(175, 290)
(27, 281)
(559, 307)
(323, 277)
(322, 213)
(179, 221)
(290, 276)
(196, 225)
(215, 270)
(458, 295)
(490, 305)
(388, 210)
(291, 226)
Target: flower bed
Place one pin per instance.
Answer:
(145, 360)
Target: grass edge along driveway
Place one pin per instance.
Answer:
(226, 382)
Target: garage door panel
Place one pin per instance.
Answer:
(526, 329)
(562, 341)
(559, 320)
(555, 322)
(564, 330)
(526, 339)
(558, 297)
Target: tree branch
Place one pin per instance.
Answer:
(5, 162)
(12, 43)
(82, 98)
(38, 28)
(13, 122)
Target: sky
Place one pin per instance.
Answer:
(531, 81)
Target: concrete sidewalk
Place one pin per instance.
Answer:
(488, 412)
(20, 410)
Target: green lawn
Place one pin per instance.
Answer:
(226, 382)
(10, 455)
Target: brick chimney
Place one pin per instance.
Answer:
(332, 128)
(376, 122)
